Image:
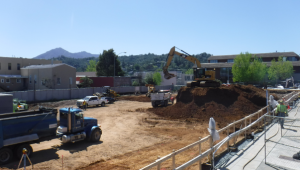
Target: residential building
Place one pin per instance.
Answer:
(50, 76)
(10, 72)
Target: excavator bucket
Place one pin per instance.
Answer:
(168, 75)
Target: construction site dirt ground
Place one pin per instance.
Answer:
(133, 137)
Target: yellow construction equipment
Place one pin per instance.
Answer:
(202, 78)
(151, 89)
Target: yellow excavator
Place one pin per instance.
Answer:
(202, 78)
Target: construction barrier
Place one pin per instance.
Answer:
(76, 93)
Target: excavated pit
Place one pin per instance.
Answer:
(224, 104)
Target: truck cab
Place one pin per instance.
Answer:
(74, 126)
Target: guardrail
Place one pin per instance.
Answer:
(247, 121)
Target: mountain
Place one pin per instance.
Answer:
(54, 53)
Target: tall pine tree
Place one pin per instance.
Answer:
(105, 66)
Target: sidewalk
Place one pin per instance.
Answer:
(279, 149)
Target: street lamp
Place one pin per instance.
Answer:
(115, 66)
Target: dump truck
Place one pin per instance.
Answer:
(19, 130)
(162, 98)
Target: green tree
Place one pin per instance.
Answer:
(248, 69)
(135, 83)
(157, 78)
(105, 66)
(92, 66)
(86, 82)
(189, 71)
(280, 70)
(149, 78)
(137, 67)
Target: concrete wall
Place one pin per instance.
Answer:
(66, 94)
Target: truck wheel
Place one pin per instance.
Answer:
(102, 104)
(153, 104)
(96, 135)
(6, 155)
(19, 151)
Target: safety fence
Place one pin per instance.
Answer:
(76, 93)
(255, 119)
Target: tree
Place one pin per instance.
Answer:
(92, 66)
(157, 78)
(86, 82)
(280, 70)
(137, 67)
(105, 66)
(135, 83)
(248, 69)
(149, 78)
(189, 71)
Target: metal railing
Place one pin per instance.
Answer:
(247, 121)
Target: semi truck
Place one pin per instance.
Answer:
(19, 130)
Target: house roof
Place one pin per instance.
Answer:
(263, 55)
(45, 66)
(222, 65)
(88, 74)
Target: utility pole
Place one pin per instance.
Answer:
(115, 66)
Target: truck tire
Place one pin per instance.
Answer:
(102, 104)
(96, 135)
(19, 150)
(153, 104)
(6, 155)
(166, 103)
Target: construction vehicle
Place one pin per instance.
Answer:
(151, 89)
(291, 79)
(202, 78)
(110, 93)
(19, 105)
(162, 98)
(19, 130)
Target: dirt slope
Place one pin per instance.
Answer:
(224, 104)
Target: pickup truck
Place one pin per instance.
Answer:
(92, 101)
(162, 98)
(19, 130)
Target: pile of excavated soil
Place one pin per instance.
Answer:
(141, 98)
(224, 104)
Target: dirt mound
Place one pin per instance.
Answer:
(141, 98)
(224, 104)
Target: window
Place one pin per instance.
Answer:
(7, 80)
(30, 79)
(213, 61)
(230, 61)
(18, 66)
(291, 59)
(187, 77)
(2, 80)
(58, 81)
(18, 80)
(9, 66)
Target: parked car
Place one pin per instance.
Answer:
(110, 99)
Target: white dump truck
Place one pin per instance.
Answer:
(162, 98)
(92, 101)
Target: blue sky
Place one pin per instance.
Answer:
(220, 27)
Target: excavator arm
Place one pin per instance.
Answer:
(184, 55)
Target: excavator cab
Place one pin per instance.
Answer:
(199, 73)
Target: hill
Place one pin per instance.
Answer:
(57, 52)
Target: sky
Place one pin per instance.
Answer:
(219, 27)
